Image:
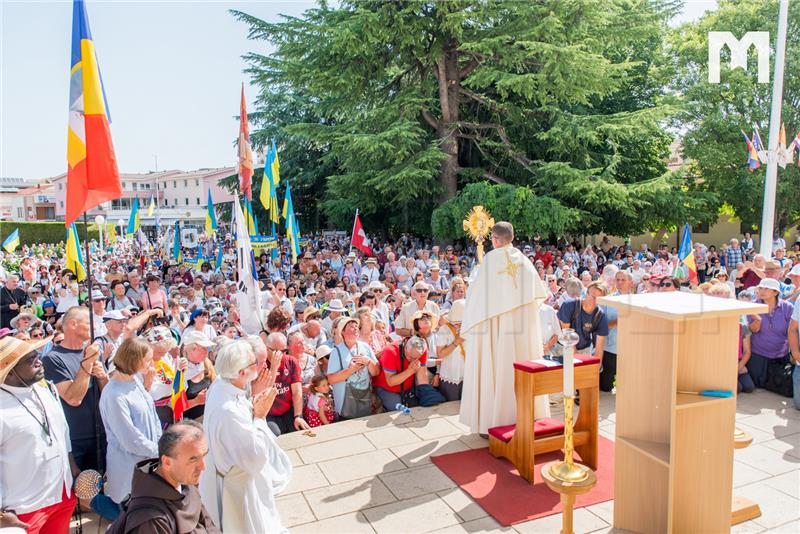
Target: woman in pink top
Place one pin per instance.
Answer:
(155, 296)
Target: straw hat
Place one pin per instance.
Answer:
(344, 322)
(34, 320)
(422, 313)
(309, 313)
(12, 351)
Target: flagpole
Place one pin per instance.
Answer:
(771, 182)
(353, 233)
(88, 276)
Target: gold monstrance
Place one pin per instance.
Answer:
(478, 225)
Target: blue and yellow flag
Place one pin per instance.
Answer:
(250, 218)
(151, 208)
(269, 183)
(211, 217)
(74, 256)
(177, 255)
(219, 261)
(292, 230)
(686, 254)
(133, 220)
(12, 241)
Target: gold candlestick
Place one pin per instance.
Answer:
(478, 225)
(567, 470)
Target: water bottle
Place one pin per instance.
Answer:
(400, 407)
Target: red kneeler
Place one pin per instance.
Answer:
(521, 442)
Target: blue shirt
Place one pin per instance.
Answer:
(611, 341)
(359, 379)
(583, 326)
(132, 429)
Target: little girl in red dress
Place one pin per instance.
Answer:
(319, 410)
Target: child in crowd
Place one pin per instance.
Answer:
(319, 407)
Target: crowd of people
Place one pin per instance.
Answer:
(89, 375)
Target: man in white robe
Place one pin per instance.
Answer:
(245, 467)
(500, 326)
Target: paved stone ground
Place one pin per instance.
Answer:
(375, 475)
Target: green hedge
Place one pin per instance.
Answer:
(32, 233)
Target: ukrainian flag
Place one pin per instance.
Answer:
(12, 241)
(292, 230)
(211, 217)
(133, 220)
(252, 223)
(686, 254)
(269, 183)
(176, 244)
(151, 207)
(74, 257)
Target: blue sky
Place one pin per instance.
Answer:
(172, 74)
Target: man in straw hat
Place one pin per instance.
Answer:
(500, 326)
(36, 467)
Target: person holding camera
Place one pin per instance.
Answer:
(403, 365)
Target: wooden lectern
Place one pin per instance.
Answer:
(674, 451)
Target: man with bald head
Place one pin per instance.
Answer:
(500, 326)
(286, 413)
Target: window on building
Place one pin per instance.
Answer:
(60, 186)
(186, 201)
(134, 185)
(198, 201)
(121, 204)
(701, 228)
(174, 201)
(197, 182)
(62, 203)
(124, 185)
(49, 213)
(20, 213)
(744, 227)
(186, 183)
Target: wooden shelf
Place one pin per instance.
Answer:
(655, 450)
(686, 400)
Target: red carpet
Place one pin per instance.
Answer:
(497, 487)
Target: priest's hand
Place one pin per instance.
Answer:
(263, 381)
(262, 403)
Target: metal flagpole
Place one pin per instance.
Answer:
(88, 275)
(771, 182)
(101, 461)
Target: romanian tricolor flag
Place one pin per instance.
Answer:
(92, 175)
(245, 152)
(74, 256)
(686, 254)
(134, 222)
(179, 401)
(12, 241)
(752, 156)
(211, 217)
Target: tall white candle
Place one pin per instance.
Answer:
(569, 372)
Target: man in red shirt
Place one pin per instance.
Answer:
(400, 364)
(544, 255)
(286, 414)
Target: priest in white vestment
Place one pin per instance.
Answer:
(245, 467)
(500, 327)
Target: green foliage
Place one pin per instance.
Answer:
(31, 233)
(714, 114)
(404, 110)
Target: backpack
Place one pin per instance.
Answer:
(597, 316)
(143, 508)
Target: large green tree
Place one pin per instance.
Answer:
(714, 114)
(555, 104)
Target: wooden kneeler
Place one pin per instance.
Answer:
(521, 442)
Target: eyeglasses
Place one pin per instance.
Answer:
(37, 336)
(668, 284)
(420, 290)
(284, 351)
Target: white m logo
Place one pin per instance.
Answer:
(738, 48)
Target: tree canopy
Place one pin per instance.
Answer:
(414, 111)
(714, 114)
